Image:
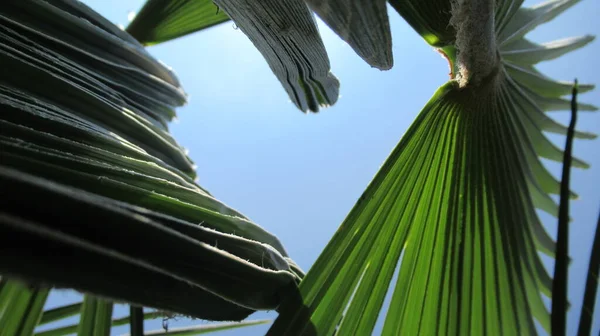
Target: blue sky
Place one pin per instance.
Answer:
(299, 175)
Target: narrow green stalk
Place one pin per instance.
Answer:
(559, 285)
(136, 321)
(591, 287)
(60, 313)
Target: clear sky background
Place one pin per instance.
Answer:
(298, 175)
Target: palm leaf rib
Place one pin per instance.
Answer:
(96, 178)
(454, 204)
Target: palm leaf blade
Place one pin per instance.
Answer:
(455, 204)
(105, 147)
(159, 21)
(286, 35)
(21, 307)
(523, 51)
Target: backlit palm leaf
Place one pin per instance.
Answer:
(454, 204)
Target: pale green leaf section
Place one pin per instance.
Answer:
(285, 33)
(159, 21)
(525, 52)
(484, 227)
(363, 24)
(554, 104)
(526, 19)
(60, 313)
(541, 84)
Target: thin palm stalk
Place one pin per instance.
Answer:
(591, 287)
(561, 269)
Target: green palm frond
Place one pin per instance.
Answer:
(454, 205)
(163, 20)
(98, 187)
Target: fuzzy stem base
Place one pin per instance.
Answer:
(475, 40)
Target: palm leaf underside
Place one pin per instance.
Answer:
(93, 184)
(455, 201)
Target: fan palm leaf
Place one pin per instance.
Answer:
(455, 203)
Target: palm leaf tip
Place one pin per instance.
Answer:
(287, 37)
(466, 231)
(363, 24)
(159, 21)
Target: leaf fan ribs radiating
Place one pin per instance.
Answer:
(454, 205)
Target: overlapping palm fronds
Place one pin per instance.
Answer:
(97, 195)
(452, 210)
(455, 202)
